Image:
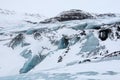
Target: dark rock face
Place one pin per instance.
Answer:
(86, 60)
(63, 42)
(117, 35)
(69, 15)
(16, 41)
(103, 34)
(31, 22)
(37, 35)
(73, 15)
(118, 28)
(106, 15)
(114, 54)
(60, 58)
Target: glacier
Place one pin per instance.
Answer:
(74, 45)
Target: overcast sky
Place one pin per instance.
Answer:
(53, 7)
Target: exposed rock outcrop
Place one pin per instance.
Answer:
(73, 14)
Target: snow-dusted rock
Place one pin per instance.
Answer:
(80, 41)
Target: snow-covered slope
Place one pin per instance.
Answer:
(75, 14)
(82, 49)
(13, 20)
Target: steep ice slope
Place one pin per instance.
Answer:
(74, 48)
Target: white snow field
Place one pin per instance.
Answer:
(85, 49)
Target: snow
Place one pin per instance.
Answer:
(10, 61)
(41, 63)
(109, 45)
(87, 71)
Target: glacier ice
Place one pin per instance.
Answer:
(91, 43)
(26, 53)
(31, 63)
(63, 41)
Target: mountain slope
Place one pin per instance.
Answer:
(71, 44)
